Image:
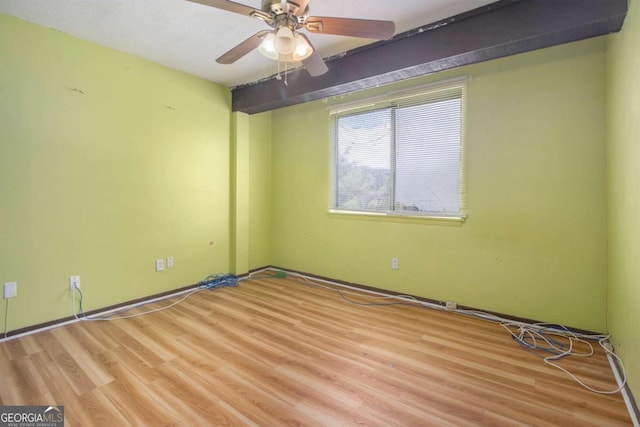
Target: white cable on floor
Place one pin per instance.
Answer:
(532, 331)
(105, 316)
(625, 393)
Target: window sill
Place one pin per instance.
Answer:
(397, 217)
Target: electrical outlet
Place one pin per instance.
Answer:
(169, 262)
(74, 282)
(451, 305)
(395, 264)
(10, 290)
(159, 264)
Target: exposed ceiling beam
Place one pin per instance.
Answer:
(505, 28)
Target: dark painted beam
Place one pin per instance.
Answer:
(505, 28)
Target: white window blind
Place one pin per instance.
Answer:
(401, 154)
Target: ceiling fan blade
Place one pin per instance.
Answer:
(366, 28)
(232, 7)
(243, 48)
(299, 6)
(314, 63)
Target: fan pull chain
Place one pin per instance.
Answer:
(279, 77)
(285, 74)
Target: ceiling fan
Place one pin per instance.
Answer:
(284, 43)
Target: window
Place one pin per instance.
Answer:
(401, 154)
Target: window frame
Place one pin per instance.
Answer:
(419, 95)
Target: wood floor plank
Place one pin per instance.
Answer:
(61, 391)
(15, 349)
(139, 404)
(182, 407)
(5, 362)
(80, 352)
(74, 374)
(29, 377)
(14, 389)
(102, 411)
(31, 345)
(200, 400)
(274, 352)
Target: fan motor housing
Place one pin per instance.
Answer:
(272, 6)
(275, 7)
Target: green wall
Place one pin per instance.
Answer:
(260, 191)
(250, 162)
(239, 192)
(534, 243)
(107, 162)
(623, 131)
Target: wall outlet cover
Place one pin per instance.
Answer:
(10, 289)
(159, 264)
(169, 262)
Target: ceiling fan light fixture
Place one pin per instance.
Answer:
(268, 47)
(303, 49)
(285, 43)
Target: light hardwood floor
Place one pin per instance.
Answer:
(274, 352)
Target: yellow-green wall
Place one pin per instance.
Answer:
(239, 192)
(260, 191)
(107, 162)
(534, 243)
(623, 155)
(250, 162)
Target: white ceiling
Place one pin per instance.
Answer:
(189, 36)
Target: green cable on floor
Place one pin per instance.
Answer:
(279, 274)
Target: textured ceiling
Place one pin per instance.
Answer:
(189, 36)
